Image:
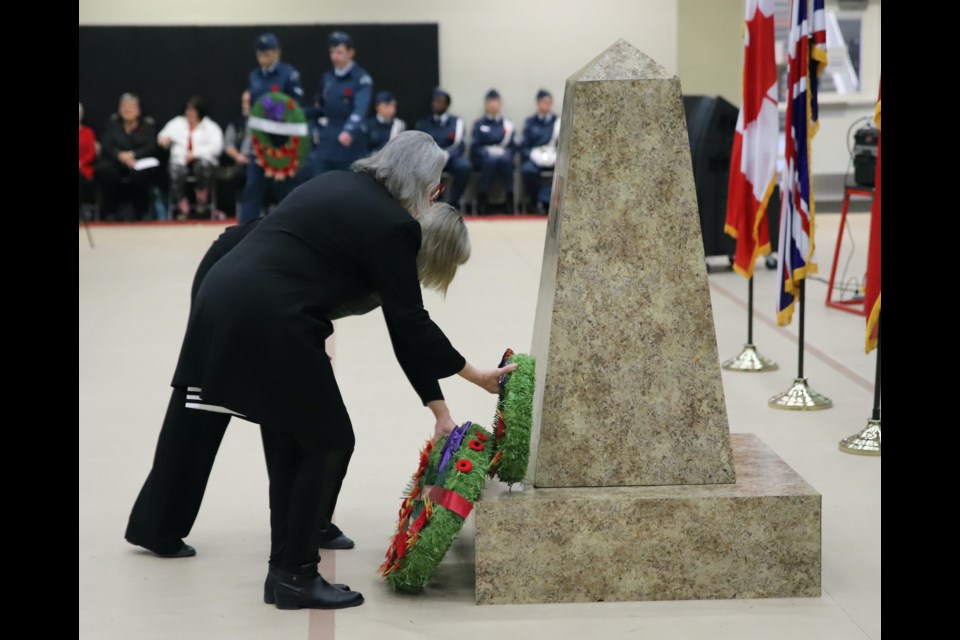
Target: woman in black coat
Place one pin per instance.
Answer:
(254, 345)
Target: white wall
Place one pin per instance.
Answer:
(710, 48)
(516, 46)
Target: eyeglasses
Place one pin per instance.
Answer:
(437, 192)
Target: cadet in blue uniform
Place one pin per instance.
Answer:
(271, 75)
(491, 151)
(385, 126)
(342, 103)
(447, 131)
(538, 147)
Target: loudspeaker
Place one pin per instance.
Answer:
(865, 156)
(711, 126)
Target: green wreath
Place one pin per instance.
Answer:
(513, 421)
(449, 480)
(277, 114)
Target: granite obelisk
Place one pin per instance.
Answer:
(634, 495)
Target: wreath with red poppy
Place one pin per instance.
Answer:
(440, 496)
(275, 116)
(513, 421)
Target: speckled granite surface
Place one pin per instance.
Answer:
(758, 538)
(629, 389)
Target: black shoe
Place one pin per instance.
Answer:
(509, 203)
(180, 549)
(270, 584)
(333, 538)
(482, 204)
(306, 589)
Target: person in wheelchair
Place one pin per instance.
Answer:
(195, 143)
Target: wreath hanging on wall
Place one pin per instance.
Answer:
(276, 116)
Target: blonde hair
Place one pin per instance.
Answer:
(409, 167)
(445, 245)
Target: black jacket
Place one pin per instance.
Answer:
(142, 140)
(255, 339)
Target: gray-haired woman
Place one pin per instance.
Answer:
(342, 243)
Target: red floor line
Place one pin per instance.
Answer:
(223, 223)
(322, 624)
(843, 370)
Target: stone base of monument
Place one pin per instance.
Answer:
(756, 538)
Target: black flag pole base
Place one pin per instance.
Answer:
(750, 361)
(865, 443)
(800, 397)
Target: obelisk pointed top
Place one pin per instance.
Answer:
(621, 61)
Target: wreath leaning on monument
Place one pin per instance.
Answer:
(513, 421)
(440, 496)
(275, 115)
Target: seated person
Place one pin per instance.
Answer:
(195, 142)
(128, 137)
(447, 131)
(491, 151)
(238, 149)
(538, 149)
(385, 126)
(88, 156)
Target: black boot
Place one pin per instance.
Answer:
(270, 584)
(177, 549)
(306, 589)
(509, 203)
(334, 538)
(481, 204)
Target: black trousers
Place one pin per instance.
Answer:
(126, 193)
(305, 481)
(170, 499)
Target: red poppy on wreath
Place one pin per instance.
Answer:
(476, 445)
(479, 436)
(290, 104)
(464, 465)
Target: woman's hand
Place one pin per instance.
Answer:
(486, 379)
(445, 423)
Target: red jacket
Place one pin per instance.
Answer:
(88, 151)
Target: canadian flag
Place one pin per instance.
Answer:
(753, 163)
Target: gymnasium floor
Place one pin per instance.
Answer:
(134, 295)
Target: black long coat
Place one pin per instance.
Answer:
(255, 339)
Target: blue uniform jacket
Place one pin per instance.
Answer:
(536, 133)
(491, 132)
(343, 101)
(446, 131)
(380, 133)
(283, 76)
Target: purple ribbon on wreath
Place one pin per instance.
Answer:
(272, 109)
(452, 445)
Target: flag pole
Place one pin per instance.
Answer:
(867, 441)
(748, 360)
(800, 397)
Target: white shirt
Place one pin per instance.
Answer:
(207, 140)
